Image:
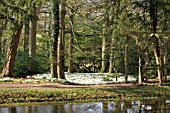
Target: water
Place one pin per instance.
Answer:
(151, 106)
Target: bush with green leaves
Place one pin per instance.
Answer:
(152, 74)
(28, 65)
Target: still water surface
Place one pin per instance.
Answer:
(151, 106)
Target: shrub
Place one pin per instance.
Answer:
(152, 74)
(26, 64)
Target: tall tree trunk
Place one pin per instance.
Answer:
(61, 42)
(1, 23)
(26, 35)
(3, 41)
(165, 58)
(103, 68)
(158, 58)
(11, 54)
(105, 34)
(140, 68)
(54, 36)
(111, 54)
(70, 42)
(146, 58)
(4, 49)
(0, 42)
(32, 38)
(127, 58)
(139, 61)
(155, 39)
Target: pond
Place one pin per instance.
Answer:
(151, 106)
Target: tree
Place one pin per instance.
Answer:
(111, 53)
(127, 57)
(0, 41)
(26, 34)
(17, 29)
(54, 36)
(61, 41)
(33, 26)
(155, 39)
(140, 65)
(165, 58)
(11, 54)
(70, 41)
(106, 34)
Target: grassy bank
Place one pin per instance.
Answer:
(22, 95)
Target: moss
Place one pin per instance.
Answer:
(26, 95)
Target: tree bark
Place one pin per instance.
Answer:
(1, 22)
(127, 58)
(156, 50)
(61, 42)
(0, 42)
(54, 36)
(165, 58)
(70, 42)
(140, 76)
(11, 54)
(155, 39)
(146, 58)
(111, 54)
(26, 35)
(103, 68)
(105, 34)
(32, 38)
(140, 67)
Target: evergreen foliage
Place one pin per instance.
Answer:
(29, 65)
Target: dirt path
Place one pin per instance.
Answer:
(58, 85)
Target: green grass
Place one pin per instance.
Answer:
(24, 95)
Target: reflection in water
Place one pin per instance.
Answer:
(152, 106)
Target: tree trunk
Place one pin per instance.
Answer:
(111, 54)
(1, 22)
(140, 77)
(146, 58)
(155, 40)
(54, 36)
(105, 34)
(165, 59)
(103, 54)
(61, 42)
(11, 54)
(70, 48)
(126, 58)
(158, 58)
(4, 48)
(140, 67)
(32, 38)
(26, 35)
(0, 42)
